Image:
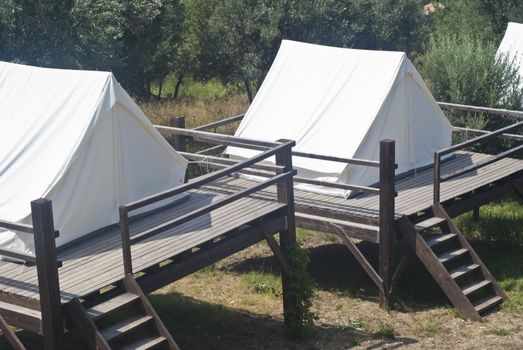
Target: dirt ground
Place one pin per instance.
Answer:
(236, 304)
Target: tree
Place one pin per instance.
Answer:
(36, 32)
(466, 70)
(135, 39)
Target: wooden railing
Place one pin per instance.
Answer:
(282, 177)
(484, 110)
(385, 190)
(486, 135)
(47, 265)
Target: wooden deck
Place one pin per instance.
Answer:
(414, 191)
(97, 262)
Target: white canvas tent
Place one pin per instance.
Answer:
(512, 45)
(78, 139)
(342, 102)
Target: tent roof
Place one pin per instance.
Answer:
(512, 44)
(327, 99)
(46, 116)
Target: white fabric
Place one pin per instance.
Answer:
(78, 139)
(512, 45)
(342, 102)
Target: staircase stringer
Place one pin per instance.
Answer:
(440, 211)
(86, 326)
(13, 340)
(437, 270)
(132, 286)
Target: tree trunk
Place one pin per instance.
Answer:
(248, 90)
(160, 87)
(177, 85)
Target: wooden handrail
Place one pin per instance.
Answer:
(222, 139)
(348, 187)
(355, 161)
(18, 255)
(207, 178)
(16, 227)
(477, 109)
(513, 137)
(127, 241)
(210, 207)
(220, 122)
(502, 133)
(481, 164)
(479, 139)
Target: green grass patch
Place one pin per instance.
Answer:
(302, 234)
(386, 331)
(263, 283)
(501, 221)
(427, 327)
(357, 325)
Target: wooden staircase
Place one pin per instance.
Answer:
(126, 321)
(453, 263)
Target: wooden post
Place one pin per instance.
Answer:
(387, 231)
(177, 141)
(475, 214)
(47, 270)
(437, 175)
(285, 192)
(126, 241)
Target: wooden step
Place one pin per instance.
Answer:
(22, 317)
(430, 222)
(488, 303)
(126, 326)
(473, 287)
(111, 305)
(448, 256)
(146, 343)
(440, 239)
(463, 270)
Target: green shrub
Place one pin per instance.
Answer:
(299, 316)
(464, 69)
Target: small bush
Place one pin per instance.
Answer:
(464, 69)
(299, 317)
(386, 330)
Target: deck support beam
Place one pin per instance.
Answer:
(387, 224)
(47, 270)
(285, 192)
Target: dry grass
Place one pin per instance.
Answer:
(197, 110)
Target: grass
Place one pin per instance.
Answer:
(501, 222)
(427, 327)
(386, 330)
(263, 283)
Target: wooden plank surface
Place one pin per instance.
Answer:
(97, 261)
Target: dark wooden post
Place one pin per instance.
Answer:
(437, 174)
(387, 231)
(177, 141)
(126, 241)
(285, 193)
(47, 270)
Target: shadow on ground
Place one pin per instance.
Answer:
(334, 269)
(198, 325)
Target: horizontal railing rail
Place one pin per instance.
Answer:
(221, 122)
(513, 137)
(282, 174)
(484, 136)
(477, 109)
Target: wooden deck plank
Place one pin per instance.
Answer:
(97, 262)
(82, 265)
